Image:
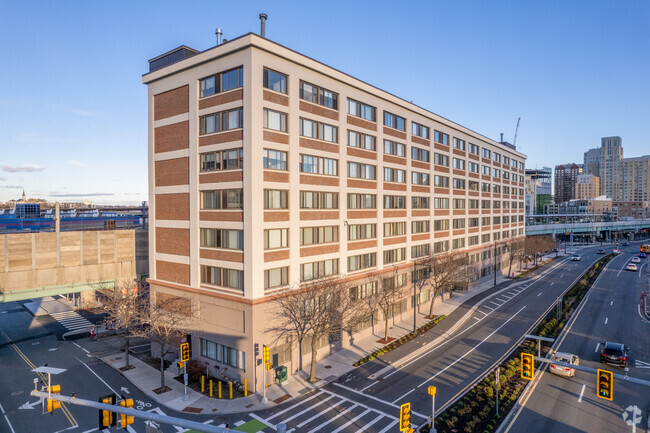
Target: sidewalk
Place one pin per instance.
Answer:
(147, 378)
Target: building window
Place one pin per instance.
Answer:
(459, 203)
(276, 199)
(318, 95)
(362, 110)
(394, 229)
(496, 220)
(441, 137)
(441, 225)
(473, 167)
(485, 221)
(440, 203)
(362, 231)
(485, 153)
(394, 202)
(275, 120)
(223, 121)
(223, 277)
(486, 170)
(318, 130)
(506, 160)
(473, 149)
(394, 175)
(222, 199)
(441, 159)
(319, 235)
(223, 354)
(274, 159)
(485, 187)
(472, 185)
(361, 171)
(363, 291)
(418, 154)
(324, 268)
(472, 222)
(459, 183)
(276, 277)
(394, 148)
(419, 251)
(441, 181)
(459, 144)
(472, 240)
(419, 178)
(420, 130)
(276, 238)
(472, 203)
(362, 261)
(222, 238)
(222, 160)
(441, 247)
(396, 255)
(362, 201)
(319, 200)
(419, 202)
(496, 157)
(459, 223)
(318, 165)
(496, 189)
(362, 141)
(275, 81)
(485, 204)
(458, 243)
(420, 227)
(394, 121)
(459, 164)
(222, 82)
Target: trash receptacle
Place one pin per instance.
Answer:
(281, 375)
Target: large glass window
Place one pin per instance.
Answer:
(361, 171)
(218, 122)
(319, 235)
(418, 154)
(394, 175)
(394, 121)
(441, 137)
(362, 141)
(222, 160)
(324, 268)
(459, 144)
(274, 159)
(275, 120)
(224, 354)
(394, 202)
(276, 199)
(276, 277)
(362, 110)
(420, 130)
(419, 202)
(362, 201)
(229, 278)
(394, 148)
(318, 95)
(362, 261)
(222, 238)
(276, 238)
(395, 229)
(419, 178)
(318, 165)
(420, 227)
(275, 81)
(320, 131)
(222, 199)
(441, 159)
(319, 200)
(222, 82)
(419, 250)
(362, 231)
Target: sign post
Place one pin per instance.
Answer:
(185, 356)
(432, 392)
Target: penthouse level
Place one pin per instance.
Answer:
(268, 169)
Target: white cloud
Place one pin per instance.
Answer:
(75, 163)
(24, 167)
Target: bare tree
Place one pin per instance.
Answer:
(167, 320)
(445, 270)
(310, 314)
(389, 288)
(124, 304)
(516, 248)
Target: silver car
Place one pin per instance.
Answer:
(568, 358)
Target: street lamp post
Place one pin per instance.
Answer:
(495, 263)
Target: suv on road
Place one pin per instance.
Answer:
(614, 353)
(576, 258)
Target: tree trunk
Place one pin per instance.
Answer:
(126, 347)
(162, 370)
(312, 370)
(433, 298)
(510, 268)
(300, 354)
(386, 326)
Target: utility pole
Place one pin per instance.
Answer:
(415, 274)
(495, 263)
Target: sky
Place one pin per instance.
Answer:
(73, 109)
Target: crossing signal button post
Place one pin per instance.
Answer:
(527, 366)
(605, 384)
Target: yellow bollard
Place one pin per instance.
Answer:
(219, 389)
(210, 387)
(230, 383)
(245, 388)
(202, 384)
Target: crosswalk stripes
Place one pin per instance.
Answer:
(641, 364)
(71, 320)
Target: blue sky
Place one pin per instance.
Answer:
(74, 114)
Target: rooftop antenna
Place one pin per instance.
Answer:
(218, 32)
(263, 18)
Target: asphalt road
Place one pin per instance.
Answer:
(610, 313)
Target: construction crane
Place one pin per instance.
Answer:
(514, 141)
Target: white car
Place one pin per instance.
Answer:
(576, 258)
(631, 267)
(568, 358)
(635, 260)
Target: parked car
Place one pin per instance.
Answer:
(600, 252)
(635, 260)
(576, 258)
(568, 358)
(631, 267)
(614, 353)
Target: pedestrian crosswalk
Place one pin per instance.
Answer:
(71, 320)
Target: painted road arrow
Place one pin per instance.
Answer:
(29, 405)
(124, 389)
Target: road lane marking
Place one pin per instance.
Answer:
(387, 427)
(323, 412)
(597, 346)
(582, 391)
(293, 406)
(606, 319)
(90, 369)
(7, 419)
(561, 275)
(361, 415)
(371, 397)
(551, 284)
(643, 319)
(80, 347)
(611, 303)
(308, 409)
(540, 293)
(328, 421)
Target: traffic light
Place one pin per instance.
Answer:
(53, 404)
(605, 384)
(185, 352)
(266, 354)
(405, 417)
(527, 366)
(126, 419)
(106, 417)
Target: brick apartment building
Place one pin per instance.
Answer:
(268, 169)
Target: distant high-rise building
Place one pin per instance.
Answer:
(592, 162)
(538, 190)
(566, 176)
(635, 179)
(611, 154)
(587, 186)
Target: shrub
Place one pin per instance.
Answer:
(195, 370)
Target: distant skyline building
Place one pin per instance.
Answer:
(538, 189)
(566, 176)
(587, 186)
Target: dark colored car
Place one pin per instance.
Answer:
(625, 244)
(614, 353)
(642, 255)
(600, 252)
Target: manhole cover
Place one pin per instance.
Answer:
(17, 392)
